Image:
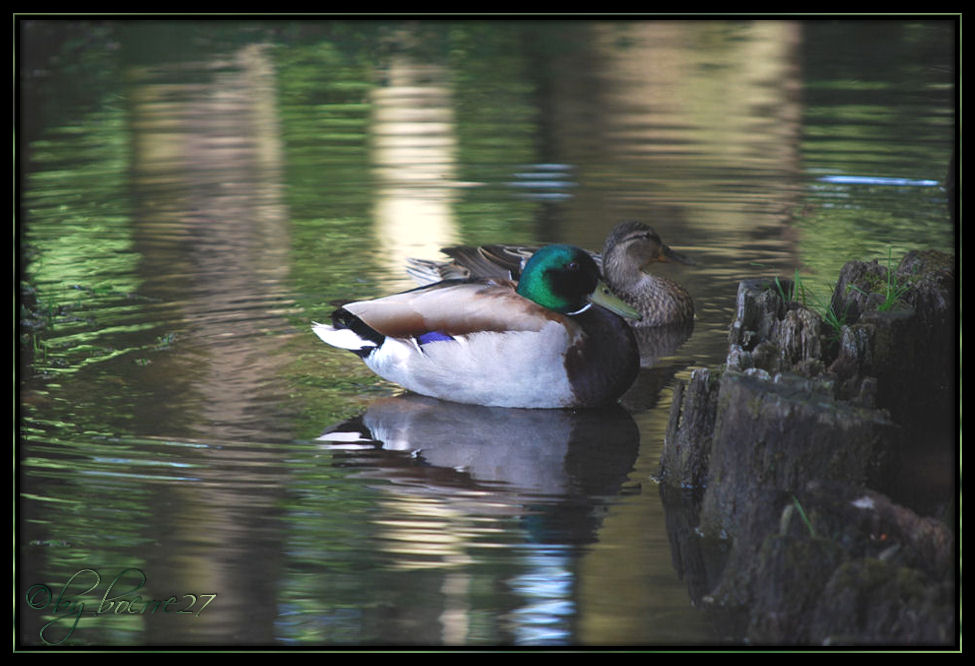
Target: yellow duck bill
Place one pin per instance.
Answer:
(604, 296)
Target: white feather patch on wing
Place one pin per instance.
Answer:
(343, 338)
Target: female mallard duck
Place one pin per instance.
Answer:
(629, 248)
(553, 340)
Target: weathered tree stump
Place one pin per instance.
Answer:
(803, 404)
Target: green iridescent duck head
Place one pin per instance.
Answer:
(565, 279)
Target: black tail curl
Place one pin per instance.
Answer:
(342, 318)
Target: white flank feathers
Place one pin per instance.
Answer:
(477, 369)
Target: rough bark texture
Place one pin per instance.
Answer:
(822, 459)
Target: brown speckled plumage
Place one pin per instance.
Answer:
(628, 250)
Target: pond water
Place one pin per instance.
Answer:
(193, 193)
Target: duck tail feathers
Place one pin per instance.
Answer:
(425, 272)
(349, 332)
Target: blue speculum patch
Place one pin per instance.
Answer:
(433, 336)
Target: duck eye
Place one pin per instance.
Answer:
(572, 266)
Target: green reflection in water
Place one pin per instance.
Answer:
(886, 112)
(495, 87)
(324, 110)
(329, 106)
(80, 309)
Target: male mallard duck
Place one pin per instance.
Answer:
(553, 340)
(629, 248)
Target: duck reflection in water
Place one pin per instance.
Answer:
(557, 453)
